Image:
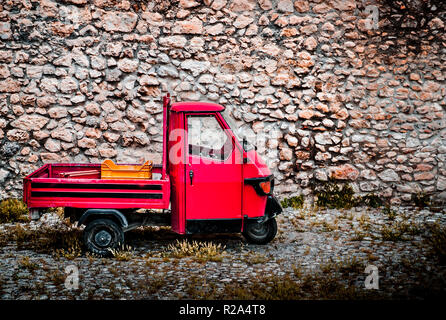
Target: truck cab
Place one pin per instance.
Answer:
(212, 180)
(219, 183)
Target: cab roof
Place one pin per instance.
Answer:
(195, 106)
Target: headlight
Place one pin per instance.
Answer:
(266, 186)
(263, 185)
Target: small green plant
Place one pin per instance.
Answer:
(255, 258)
(155, 284)
(329, 227)
(359, 236)
(331, 195)
(412, 229)
(71, 252)
(26, 263)
(264, 288)
(199, 288)
(297, 271)
(334, 196)
(399, 231)
(296, 202)
(306, 211)
(351, 265)
(336, 281)
(363, 220)
(13, 210)
(421, 200)
(371, 200)
(390, 213)
(122, 253)
(45, 239)
(391, 234)
(91, 257)
(201, 251)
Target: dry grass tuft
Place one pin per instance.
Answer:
(399, 231)
(72, 252)
(27, 264)
(123, 253)
(45, 239)
(255, 258)
(201, 251)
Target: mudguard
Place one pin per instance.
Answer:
(272, 207)
(104, 213)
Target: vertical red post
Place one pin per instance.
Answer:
(166, 104)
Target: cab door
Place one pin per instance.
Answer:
(213, 175)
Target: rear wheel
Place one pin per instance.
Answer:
(101, 235)
(261, 233)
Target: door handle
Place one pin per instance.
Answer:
(191, 175)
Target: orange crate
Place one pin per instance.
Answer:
(110, 170)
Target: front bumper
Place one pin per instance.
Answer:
(272, 208)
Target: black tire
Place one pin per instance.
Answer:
(261, 233)
(100, 235)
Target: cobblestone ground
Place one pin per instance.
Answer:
(317, 254)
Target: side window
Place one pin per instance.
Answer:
(207, 138)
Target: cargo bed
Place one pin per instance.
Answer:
(64, 185)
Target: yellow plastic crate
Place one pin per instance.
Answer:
(110, 170)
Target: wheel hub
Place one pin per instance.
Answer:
(258, 229)
(103, 238)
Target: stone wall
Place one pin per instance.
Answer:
(82, 80)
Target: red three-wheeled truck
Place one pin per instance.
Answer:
(212, 180)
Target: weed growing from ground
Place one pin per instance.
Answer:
(13, 210)
(201, 251)
(255, 258)
(122, 253)
(329, 227)
(296, 202)
(45, 239)
(26, 263)
(421, 200)
(91, 257)
(399, 231)
(306, 211)
(335, 280)
(332, 196)
(359, 236)
(72, 252)
(371, 200)
(390, 213)
(154, 285)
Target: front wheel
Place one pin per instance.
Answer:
(101, 235)
(261, 233)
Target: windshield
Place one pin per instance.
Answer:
(238, 131)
